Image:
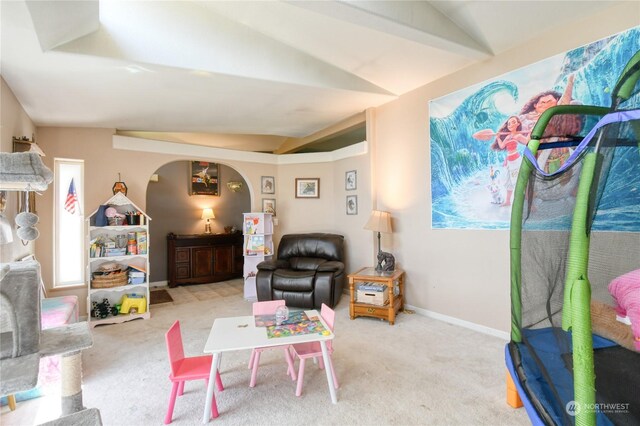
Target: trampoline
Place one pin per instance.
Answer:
(575, 236)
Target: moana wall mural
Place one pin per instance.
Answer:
(478, 134)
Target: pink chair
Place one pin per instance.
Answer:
(312, 350)
(183, 369)
(267, 308)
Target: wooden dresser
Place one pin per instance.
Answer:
(203, 258)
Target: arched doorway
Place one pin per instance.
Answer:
(173, 210)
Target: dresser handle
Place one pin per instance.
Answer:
(371, 310)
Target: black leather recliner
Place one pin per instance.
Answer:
(308, 272)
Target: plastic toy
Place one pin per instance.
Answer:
(133, 301)
(103, 309)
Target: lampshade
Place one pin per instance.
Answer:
(379, 221)
(208, 214)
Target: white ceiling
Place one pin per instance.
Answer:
(286, 68)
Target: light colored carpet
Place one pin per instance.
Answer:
(418, 372)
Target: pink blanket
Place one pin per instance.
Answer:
(58, 311)
(625, 290)
(55, 312)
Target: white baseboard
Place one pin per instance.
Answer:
(462, 323)
(159, 284)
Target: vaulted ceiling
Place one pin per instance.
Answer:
(288, 69)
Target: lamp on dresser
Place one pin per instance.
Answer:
(207, 214)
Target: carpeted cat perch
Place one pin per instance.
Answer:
(22, 341)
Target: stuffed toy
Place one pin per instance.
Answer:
(625, 291)
(605, 324)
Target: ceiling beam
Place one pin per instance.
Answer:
(418, 21)
(291, 145)
(59, 22)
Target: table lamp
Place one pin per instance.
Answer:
(208, 215)
(379, 222)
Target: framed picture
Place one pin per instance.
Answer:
(268, 185)
(119, 187)
(204, 178)
(307, 187)
(352, 204)
(350, 180)
(269, 206)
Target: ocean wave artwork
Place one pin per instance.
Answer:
(478, 134)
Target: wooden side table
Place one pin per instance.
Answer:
(396, 301)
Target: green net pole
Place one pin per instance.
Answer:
(627, 81)
(579, 240)
(576, 313)
(515, 242)
(583, 369)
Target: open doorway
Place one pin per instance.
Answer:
(173, 210)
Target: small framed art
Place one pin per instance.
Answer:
(351, 180)
(268, 185)
(269, 206)
(307, 187)
(352, 204)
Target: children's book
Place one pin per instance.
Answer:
(251, 225)
(255, 244)
(141, 239)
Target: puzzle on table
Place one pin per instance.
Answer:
(310, 326)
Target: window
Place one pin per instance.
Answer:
(69, 223)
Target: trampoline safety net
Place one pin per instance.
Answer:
(567, 160)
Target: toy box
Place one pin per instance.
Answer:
(372, 293)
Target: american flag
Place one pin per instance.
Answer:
(71, 205)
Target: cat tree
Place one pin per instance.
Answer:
(22, 341)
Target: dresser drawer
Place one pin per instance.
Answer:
(183, 270)
(182, 255)
(371, 311)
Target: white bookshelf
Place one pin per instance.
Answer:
(138, 258)
(257, 229)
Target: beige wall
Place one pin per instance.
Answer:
(306, 214)
(14, 121)
(328, 213)
(359, 246)
(458, 273)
